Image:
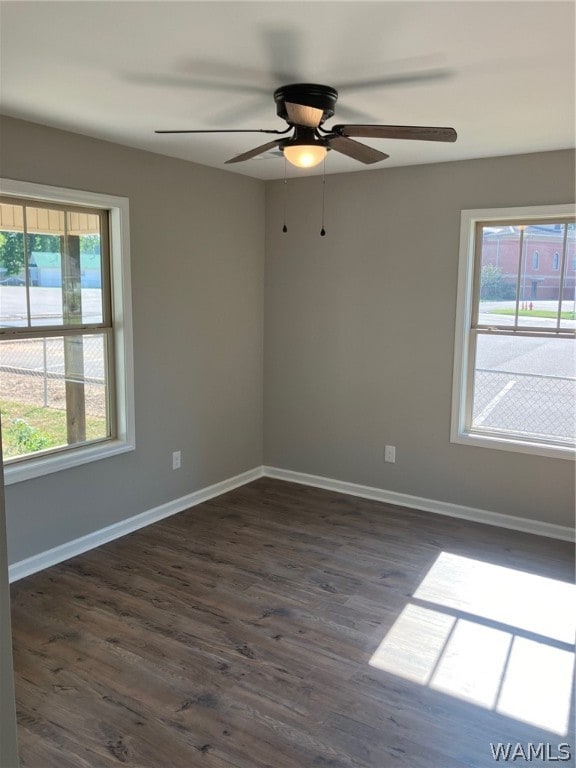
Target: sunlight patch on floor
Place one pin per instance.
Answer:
(506, 595)
(414, 643)
(537, 685)
(472, 663)
(494, 636)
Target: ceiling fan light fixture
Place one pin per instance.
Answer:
(305, 107)
(305, 155)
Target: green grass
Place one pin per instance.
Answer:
(535, 313)
(29, 428)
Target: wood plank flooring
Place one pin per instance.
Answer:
(239, 635)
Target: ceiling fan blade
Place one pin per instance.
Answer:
(222, 71)
(299, 114)
(402, 78)
(283, 46)
(188, 83)
(356, 150)
(228, 130)
(235, 114)
(254, 152)
(421, 133)
(350, 113)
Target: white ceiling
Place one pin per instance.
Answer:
(501, 73)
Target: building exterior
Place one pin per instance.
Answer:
(548, 260)
(45, 271)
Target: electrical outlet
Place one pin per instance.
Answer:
(176, 460)
(390, 454)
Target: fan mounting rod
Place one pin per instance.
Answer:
(321, 97)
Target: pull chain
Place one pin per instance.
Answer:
(323, 231)
(285, 228)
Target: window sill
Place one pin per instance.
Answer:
(45, 465)
(515, 446)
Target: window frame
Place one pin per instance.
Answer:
(463, 378)
(122, 379)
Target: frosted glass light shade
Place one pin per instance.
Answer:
(305, 155)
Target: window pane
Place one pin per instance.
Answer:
(65, 267)
(525, 386)
(85, 239)
(539, 280)
(569, 292)
(500, 255)
(13, 310)
(53, 393)
(45, 262)
(64, 272)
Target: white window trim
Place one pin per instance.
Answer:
(122, 329)
(460, 383)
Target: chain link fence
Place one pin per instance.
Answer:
(33, 372)
(541, 406)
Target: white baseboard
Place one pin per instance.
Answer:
(426, 505)
(76, 547)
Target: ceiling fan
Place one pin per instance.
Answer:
(305, 107)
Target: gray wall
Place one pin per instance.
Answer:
(197, 271)
(359, 332)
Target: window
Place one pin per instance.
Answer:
(515, 364)
(66, 383)
(556, 261)
(535, 260)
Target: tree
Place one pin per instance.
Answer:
(90, 244)
(12, 248)
(11, 252)
(493, 284)
(44, 243)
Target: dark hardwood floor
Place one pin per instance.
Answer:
(239, 634)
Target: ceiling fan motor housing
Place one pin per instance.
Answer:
(307, 94)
